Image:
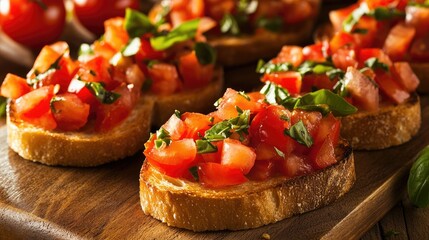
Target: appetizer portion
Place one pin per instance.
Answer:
(400, 28)
(86, 106)
(244, 30)
(259, 158)
(382, 89)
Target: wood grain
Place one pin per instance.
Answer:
(48, 202)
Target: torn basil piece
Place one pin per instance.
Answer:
(104, 96)
(137, 24)
(185, 31)
(299, 132)
(205, 53)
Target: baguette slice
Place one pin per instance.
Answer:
(196, 100)
(185, 204)
(391, 125)
(80, 148)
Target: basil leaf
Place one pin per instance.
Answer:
(104, 96)
(335, 73)
(373, 63)
(275, 94)
(205, 53)
(280, 153)
(270, 67)
(85, 50)
(299, 132)
(270, 24)
(185, 31)
(54, 100)
(205, 146)
(224, 129)
(336, 104)
(418, 181)
(132, 48)
(384, 13)
(40, 76)
(194, 172)
(3, 102)
(162, 138)
(354, 18)
(313, 67)
(137, 24)
(228, 24)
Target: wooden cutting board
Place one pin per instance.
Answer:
(38, 201)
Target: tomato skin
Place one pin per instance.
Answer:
(14, 86)
(290, 54)
(215, 175)
(93, 13)
(70, 112)
(27, 23)
(364, 93)
(344, 58)
(391, 88)
(398, 41)
(290, 80)
(194, 74)
(232, 99)
(34, 108)
(405, 76)
(196, 124)
(165, 78)
(311, 121)
(174, 159)
(237, 155)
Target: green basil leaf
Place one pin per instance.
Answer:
(271, 24)
(132, 48)
(335, 73)
(194, 172)
(280, 153)
(418, 181)
(162, 138)
(85, 50)
(3, 102)
(354, 18)
(384, 13)
(40, 76)
(228, 24)
(205, 146)
(270, 67)
(104, 96)
(314, 67)
(322, 69)
(336, 104)
(374, 63)
(185, 31)
(299, 132)
(54, 100)
(205, 53)
(275, 94)
(225, 128)
(137, 24)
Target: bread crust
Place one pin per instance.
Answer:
(188, 205)
(422, 72)
(391, 125)
(196, 100)
(82, 148)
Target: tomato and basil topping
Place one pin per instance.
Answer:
(235, 17)
(363, 76)
(251, 136)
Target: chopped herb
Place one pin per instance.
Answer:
(85, 50)
(104, 96)
(314, 67)
(137, 24)
(374, 64)
(165, 10)
(185, 31)
(335, 73)
(40, 76)
(3, 102)
(228, 24)
(217, 103)
(270, 67)
(271, 24)
(225, 128)
(354, 18)
(205, 53)
(285, 118)
(132, 48)
(280, 153)
(243, 94)
(162, 138)
(54, 100)
(194, 172)
(205, 146)
(384, 13)
(177, 113)
(211, 119)
(299, 132)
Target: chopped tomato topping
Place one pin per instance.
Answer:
(165, 79)
(115, 33)
(215, 175)
(237, 155)
(295, 165)
(69, 111)
(290, 54)
(323, 153)
(14, 86)
(391, 88)
(175, 127)
(405, 76)
(194, 74)
(262, 170)
(398, 41)
(290, 80)
(316, 52)
(231, 100)
(196, 124)
(364, 92)
(344, 58)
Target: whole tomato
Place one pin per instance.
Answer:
(93, 13)
(33, 23)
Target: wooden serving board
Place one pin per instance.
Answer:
(38, 201)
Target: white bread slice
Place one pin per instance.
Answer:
(422, 72)
(196, 100)
(80, 148)
(391, 125)
(188, 205)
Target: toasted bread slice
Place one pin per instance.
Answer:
(391, 125)
(197, 100)
(186, 204)
(422, 72)
(80, 148)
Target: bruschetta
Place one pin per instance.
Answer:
(382, 90)
(259, 158)
(400, 28)
(72, 112)
(245, 30)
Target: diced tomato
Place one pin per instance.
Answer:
(290, 54)
(323, 154)
(69, 111)
(317, 81)
(329, 125)
(182, 11)
(165, 78)
(78, 87)
(194, 74)
(262, 170)
(146, 52)
(215, 156)
(268, 127)
(175, 127)
(418, 17)
(196, 124)
(232, 99)
(14, 86)
(316, 52)
(103, 49)
(215, 175)
(295, 165)
(115, 33)
(420, 49)
(237, 155)
(367, 53)
(45, 59)
(290, 80)
(337, 17)
(311, 120)
(98, 69)
(405, 76)
(174, 159)
(135, 79)
(369, 24)
(391, 88)
(266, 152)
(344, 58)
(363, 91)
(398, 41)
(34, 108)
(342, 40)
(110, 115)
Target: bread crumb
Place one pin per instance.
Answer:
(266, 236)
